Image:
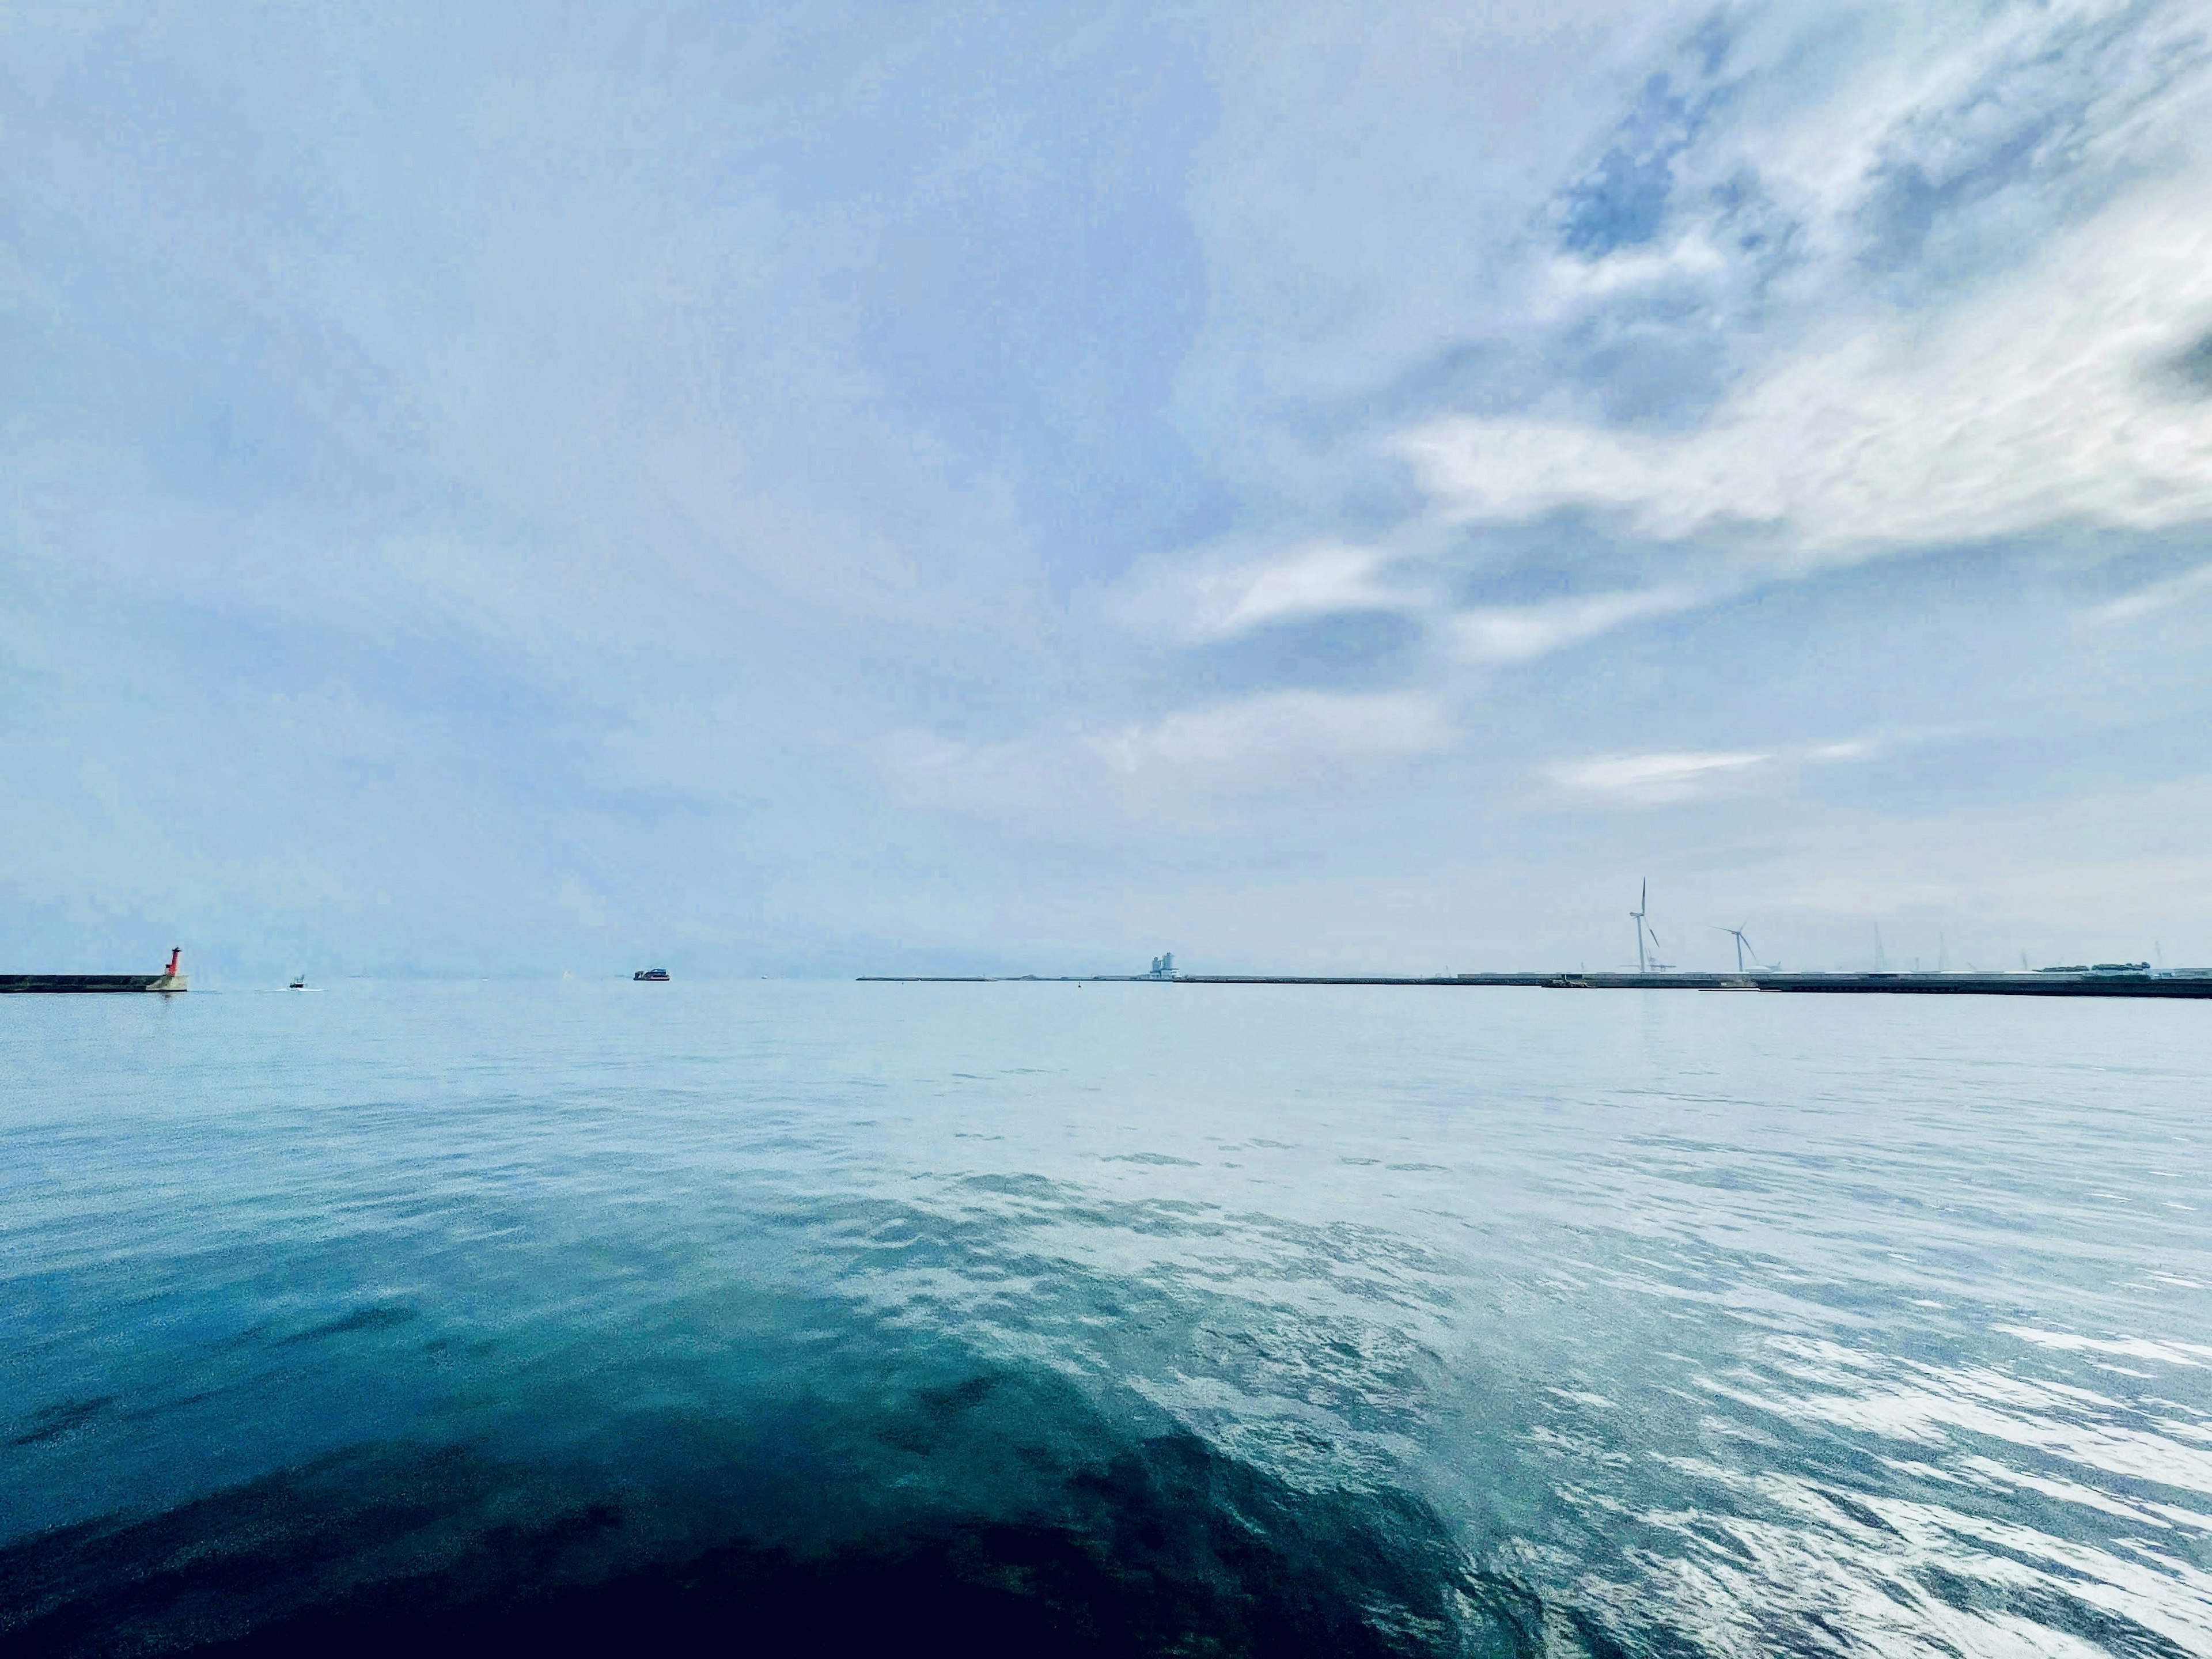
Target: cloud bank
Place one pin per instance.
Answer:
(2054, 399)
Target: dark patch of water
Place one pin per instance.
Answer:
(1110, 1541)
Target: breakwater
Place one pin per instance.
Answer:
(171, 978)
(2187, 987)
(69, 983)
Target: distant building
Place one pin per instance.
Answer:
(1163, 967)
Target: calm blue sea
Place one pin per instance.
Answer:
(1100, 1319)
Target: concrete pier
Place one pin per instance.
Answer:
(170, 979)
(77, 982)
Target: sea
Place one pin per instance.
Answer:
(1050, 1318)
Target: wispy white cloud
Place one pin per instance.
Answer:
(1503, 633)
(1572, 283)
(2052, 402)
(1663, 777)
(1320, 581)
(1224, 592)
(1829, 753)
(2155, 597)
(1653, 780)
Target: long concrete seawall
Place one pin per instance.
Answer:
(2187, 987)
(66, 984)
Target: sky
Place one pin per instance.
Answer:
(842, 487)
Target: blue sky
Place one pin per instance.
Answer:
(809, 489)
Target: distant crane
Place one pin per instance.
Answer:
(1742, 948)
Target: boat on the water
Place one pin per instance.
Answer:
(170, 979)
(652, 975)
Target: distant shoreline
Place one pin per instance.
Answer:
(2185, 987)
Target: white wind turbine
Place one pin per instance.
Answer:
(1742, 948)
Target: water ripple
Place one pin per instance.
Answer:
(1510, 1324)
